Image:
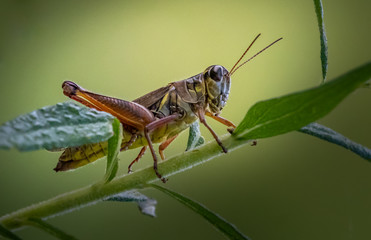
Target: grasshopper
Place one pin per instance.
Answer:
(159, 116)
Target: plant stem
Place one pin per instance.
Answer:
(97, 192)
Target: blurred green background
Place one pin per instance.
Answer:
(287, 187)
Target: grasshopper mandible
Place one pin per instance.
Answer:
(159, 116)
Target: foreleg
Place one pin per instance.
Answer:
(222, 121)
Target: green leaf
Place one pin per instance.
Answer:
(114, 145)
(36, 222)
(228, 229)
(8, 234)
(146, 205)
(330, 135)
(194, 138)
(321, 25)
(291, 112)
(53, 127)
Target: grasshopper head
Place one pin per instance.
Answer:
(218, 80)
(218, 83)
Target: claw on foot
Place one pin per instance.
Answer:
(230, 130)
(224, 149)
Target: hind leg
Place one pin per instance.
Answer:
(151, 127)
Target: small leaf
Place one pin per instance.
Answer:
(228, 229)
(53, 127)
(194, 138)
(321, 25)
(8, 234)
(36, 222)
(330, 135)
(114, 145)
(291, 112)
(146, 205)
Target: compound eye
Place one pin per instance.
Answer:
(216, 73)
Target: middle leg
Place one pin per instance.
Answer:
(164, 145)
(140, 155)
(201, 115)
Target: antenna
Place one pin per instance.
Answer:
(233, 70)
(245, 52)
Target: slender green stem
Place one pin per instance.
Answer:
(97, 192)
(38, 223)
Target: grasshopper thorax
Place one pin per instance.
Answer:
(217, 83)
